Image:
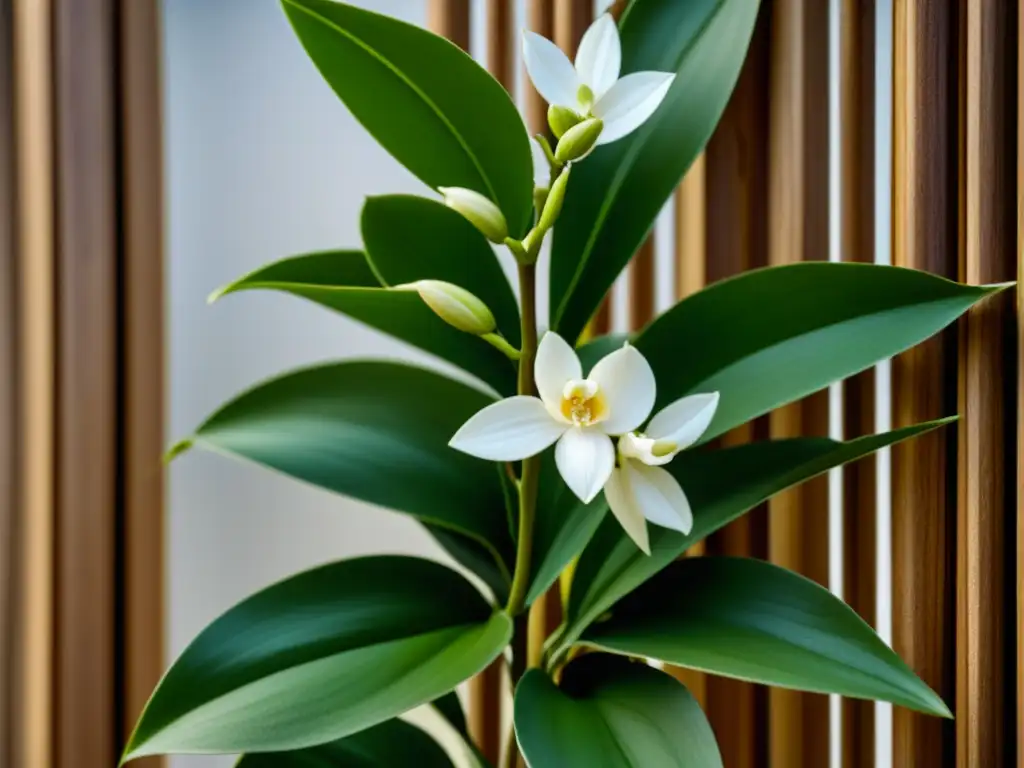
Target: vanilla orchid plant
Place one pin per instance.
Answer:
(540, 469)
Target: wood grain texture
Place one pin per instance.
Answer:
(450, 18)
(142, 352)
(857, 233)
(9, 437)
(798, 231)
(87, 718)
(501, 41)
(925, 218)
(32, 734)
(986, 397)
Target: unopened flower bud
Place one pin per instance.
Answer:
(481, 212)
(456, 306)
(553, 203)
(577, 142)
(561, 119)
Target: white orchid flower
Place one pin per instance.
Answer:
(639, 490)
(581, 414)
(592, 87)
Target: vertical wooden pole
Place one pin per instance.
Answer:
(450, 18)
(86, 449)
(857, 232)
(501, 40)
(798, 231)
(32, 727)
(924, 237)
(8, 379)
(142, 372)
(986, 497)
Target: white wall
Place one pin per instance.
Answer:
(262, 162)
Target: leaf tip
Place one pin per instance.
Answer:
(177, 449)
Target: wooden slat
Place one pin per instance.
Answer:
(857, 232)
(1019, 640)
(924, 237)
(738, 240)
(8, 379)
(983, 686)
(501, 39)
(143, 356)
(87, 459)
(33, 737)
(450, 18)
(540, 19)
(572, 17)
(798, 230)
(641, 284)
(691, 230)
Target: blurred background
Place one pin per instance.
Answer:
(153, 150)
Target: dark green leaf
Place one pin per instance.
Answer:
(721, 486)
(425, 100)
(756, 621)
(613, 713)
(450, 709)
(771, 336)
(379, 432)
(616, 194)
(344, 282)
(411, 238)
(322, 655)
(392, 744)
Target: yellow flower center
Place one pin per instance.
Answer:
(583, 403)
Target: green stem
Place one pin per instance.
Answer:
(499, 343)
(531, 466)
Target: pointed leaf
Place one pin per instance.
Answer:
(411, 238)
(425, 100)
(721, 486)
(755, 621)
(322, 655)
(613, 713)
(618, 192)
(378, 432)
(772, 336)
(344, 282)
(390, 744)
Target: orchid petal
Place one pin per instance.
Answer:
(620, 500)
(599, 57)
(585, 458)
(551, 72)
(556, 364)
(659, 496)
(630, 102)
(685, 420)
(541, 167)
(508, 430)
(627, 383)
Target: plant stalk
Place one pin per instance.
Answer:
(531, 466)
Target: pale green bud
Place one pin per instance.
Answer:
(577, 142)
(456, 306)
(553, 203)
(561, 119)
(481, 212)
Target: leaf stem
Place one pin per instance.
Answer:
(531, 466)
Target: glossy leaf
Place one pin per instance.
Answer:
(721, 486)
(424, 99)
(616, 194)
(388, 745)
(411, 238)
(322, 655)
(377, 431)
(772, 336)
(344, 282)
(613, 713)
(755, 621)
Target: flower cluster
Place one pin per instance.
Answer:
(583, 415)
